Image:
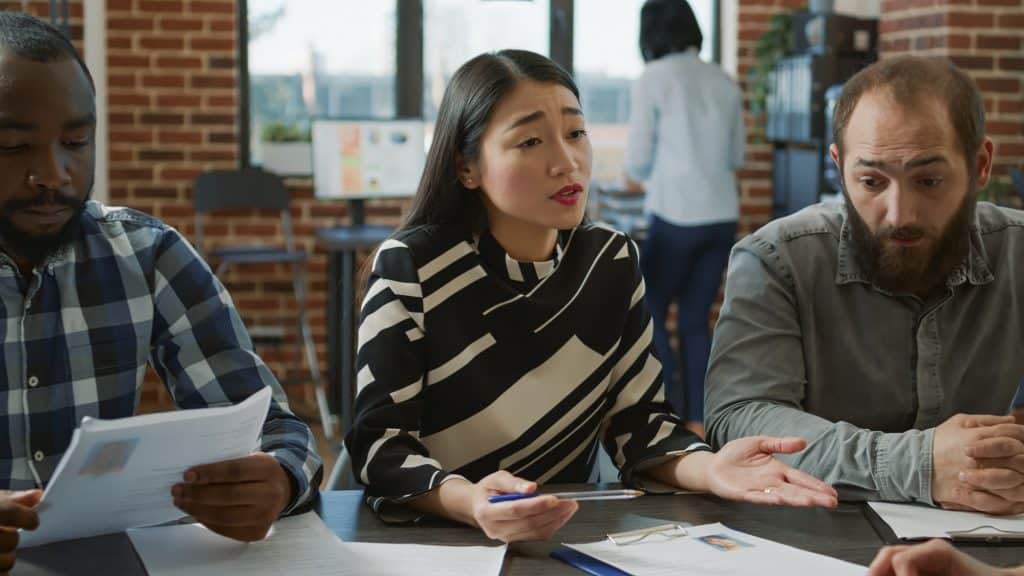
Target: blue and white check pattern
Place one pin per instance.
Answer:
(78, 332)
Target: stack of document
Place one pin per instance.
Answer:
(118, 474)
(298, 546)
(915, 522)
(707, 549)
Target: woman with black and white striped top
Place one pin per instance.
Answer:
(501, 339)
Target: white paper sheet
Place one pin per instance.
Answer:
(423, 560)
(714, 549)
(301, 545)
(118, 474)
(912, 522)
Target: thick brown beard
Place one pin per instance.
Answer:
(908, 270)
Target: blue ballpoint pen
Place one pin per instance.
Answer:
(586, 495)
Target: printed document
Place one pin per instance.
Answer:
(118, 474)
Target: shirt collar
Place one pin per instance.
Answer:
(974, 269)
(497, 261)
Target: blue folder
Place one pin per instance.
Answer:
(586, 563)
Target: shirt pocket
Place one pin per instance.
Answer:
(107, 357)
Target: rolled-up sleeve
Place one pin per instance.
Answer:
(756, 384)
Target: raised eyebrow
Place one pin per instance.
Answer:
(85, 121)
(18, 125)
(533, 117)
(926, 161)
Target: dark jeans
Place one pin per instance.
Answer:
(685, 264)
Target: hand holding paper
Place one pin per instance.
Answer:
(239, 498)
(17, 510)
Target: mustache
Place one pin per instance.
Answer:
(903, 233)
(42, 199)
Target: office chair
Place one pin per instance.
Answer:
(253, 188)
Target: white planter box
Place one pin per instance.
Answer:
(287, 158)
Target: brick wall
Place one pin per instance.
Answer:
(983, 37)
(755, 178)
(174, 113)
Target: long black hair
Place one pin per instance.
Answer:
(469, 100)
(668, 26)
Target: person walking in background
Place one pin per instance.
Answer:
(686, 139)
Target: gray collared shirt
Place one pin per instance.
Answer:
(806, 346)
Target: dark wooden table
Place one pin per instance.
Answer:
(843, 533)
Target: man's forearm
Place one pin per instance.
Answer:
(862, 464)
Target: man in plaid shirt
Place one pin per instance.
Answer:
(90, 294)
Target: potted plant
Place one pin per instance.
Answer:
(285, 149)
(774, 44)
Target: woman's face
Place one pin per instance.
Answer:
(534, 164)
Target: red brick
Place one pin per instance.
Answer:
(130, 24)
(163, 81)
(1014, 21)
(161, 6)
(221, 62)
(1011, 106)
(211, 7)
(222, 138)
(212, 81)
(986, 42)
(180, 24)
(226, 101)
(162, 43)
(212, 44)
(183, 174)
(161, 118)
(973, 62)
(161, 155)
(969, 20)
(1011, 63)
(123, 135)
(136, 61)
(131, 173)
(187, 137)
(121, 118)
(115, 43)
(193, 62)
(223, 26)
(133, 99)
(1010, 149)
(177, 100)
(998, 84)
(118, 5)
(212, 119)
(1004, 128)
(213, 155)
(958, 41)
(154, 192)
(121, 80)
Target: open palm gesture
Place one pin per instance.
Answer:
(744, 469)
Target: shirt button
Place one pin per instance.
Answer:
(33, 381)
(39, 456)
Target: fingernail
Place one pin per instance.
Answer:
(963, 476)
(191, 476)
(522, 487)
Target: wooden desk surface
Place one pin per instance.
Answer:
(843, 533)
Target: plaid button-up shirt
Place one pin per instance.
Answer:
(77, 334)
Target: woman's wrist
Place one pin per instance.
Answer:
(688, 471)
(452, 500)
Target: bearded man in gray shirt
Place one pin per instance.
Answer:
(887, 330)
